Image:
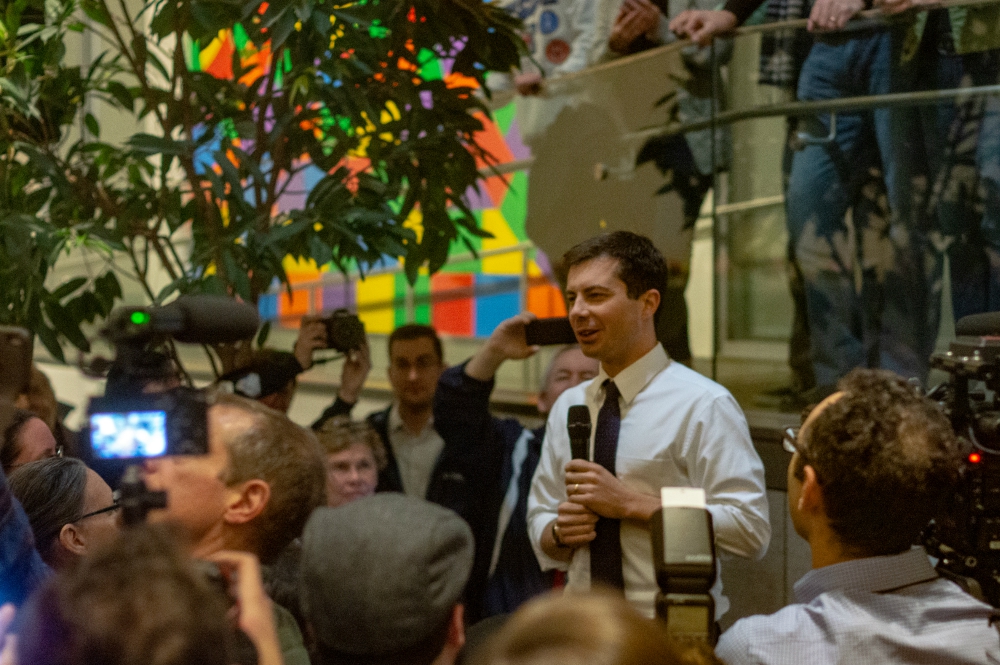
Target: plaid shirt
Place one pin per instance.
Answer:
(782, 52)
(885, 609)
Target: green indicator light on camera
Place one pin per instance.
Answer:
(140, 318)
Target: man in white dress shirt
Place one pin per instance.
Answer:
(664, 425)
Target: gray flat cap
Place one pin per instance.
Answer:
(381, 574)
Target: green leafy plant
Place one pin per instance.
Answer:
(340, 86)
(41, 218)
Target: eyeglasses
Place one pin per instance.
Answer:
(107, 509)
(790, 440)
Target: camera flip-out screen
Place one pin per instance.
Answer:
(139, 427)
(128, 435)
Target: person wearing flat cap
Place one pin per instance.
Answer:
(382, 582)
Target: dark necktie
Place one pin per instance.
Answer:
(606, 548)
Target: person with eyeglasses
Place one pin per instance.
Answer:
(418, 461)
(870, 466)
(70, 508)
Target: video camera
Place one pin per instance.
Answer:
(684, 560)
(143, 413)
(965, 537)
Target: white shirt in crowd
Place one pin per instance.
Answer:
(678, 429)
(416, 454)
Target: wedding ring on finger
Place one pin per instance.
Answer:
(576, 488)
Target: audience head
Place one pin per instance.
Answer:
(253, 491)
(70, 508)
(382, 581)
(135, 601)
(415, 364)
(614, 286)
(354, 456)
(873, 463)
(24, 437)
(40, 398)
(269, 377)
(568, 368)
(585, 629)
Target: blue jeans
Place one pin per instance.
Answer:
(867, 287)
(962, 157)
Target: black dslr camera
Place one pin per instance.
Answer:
(344, 331)
(965, 536)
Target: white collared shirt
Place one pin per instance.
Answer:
(416, 454)
(678, 429)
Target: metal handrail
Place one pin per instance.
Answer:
(918, 98)
(867, 18)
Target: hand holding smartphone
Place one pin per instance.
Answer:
(543, 332)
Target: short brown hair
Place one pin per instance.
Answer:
(136, 601)
(288, 458)
(885, 459)
(640, 265)
(340, 433)
(416, 331)
(40, 398)
(13, 422)
(585, 629)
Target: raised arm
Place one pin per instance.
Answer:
(462, 399)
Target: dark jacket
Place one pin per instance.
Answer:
(21, 568)
(462, 416)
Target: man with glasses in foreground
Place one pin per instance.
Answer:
(870, 466)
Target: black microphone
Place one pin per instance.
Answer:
(978, 325)
(578, 424)
(192, 319)
(214, 319)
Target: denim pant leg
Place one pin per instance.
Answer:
(819, 194)
(902, 274)
(988, 163)
(969, 210)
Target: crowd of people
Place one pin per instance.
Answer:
(876, 200)
(435, 532)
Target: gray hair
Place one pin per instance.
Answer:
(52, 493)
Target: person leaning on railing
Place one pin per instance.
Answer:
(896, 301)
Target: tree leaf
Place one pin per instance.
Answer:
(68, 287)
(92, 125)
(121, 94)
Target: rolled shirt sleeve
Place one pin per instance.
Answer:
(721, 459)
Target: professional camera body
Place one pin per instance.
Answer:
(965, 537)
(344, 331)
